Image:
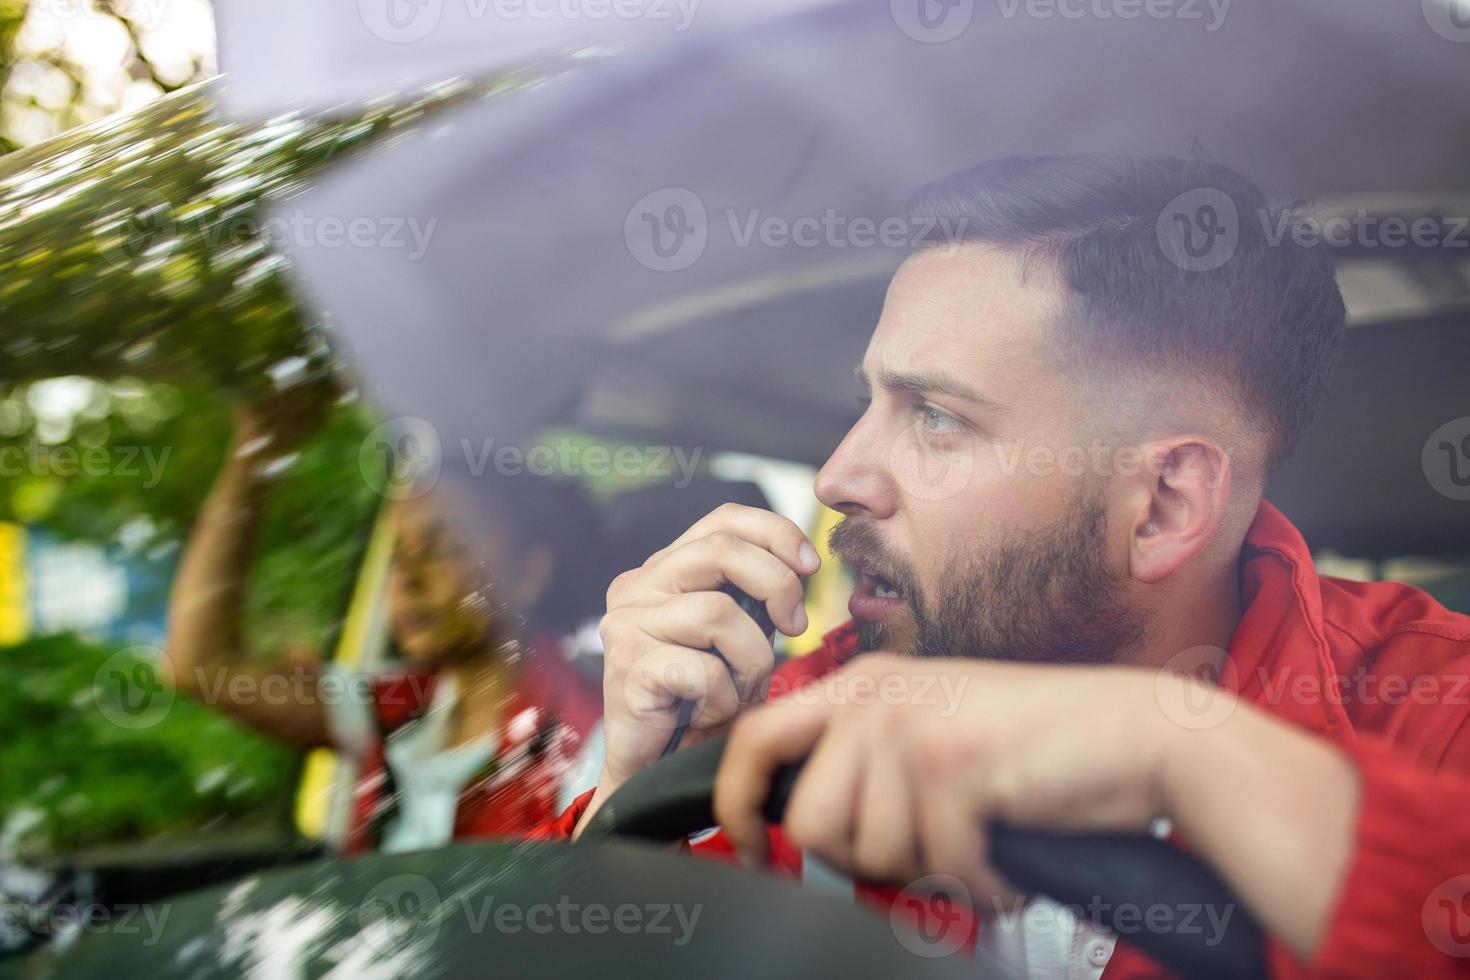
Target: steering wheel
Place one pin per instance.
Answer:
(673, 798)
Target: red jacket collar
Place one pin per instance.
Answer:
(1278, 657)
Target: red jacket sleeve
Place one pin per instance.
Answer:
(561, 828)
(1404, 906)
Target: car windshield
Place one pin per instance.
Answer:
(396, 429)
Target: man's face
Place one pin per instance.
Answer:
(967, 542)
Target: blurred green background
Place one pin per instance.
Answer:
(140, 298)
(137, 299)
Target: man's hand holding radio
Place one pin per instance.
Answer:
(664, 619)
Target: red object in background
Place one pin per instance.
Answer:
(507, 804)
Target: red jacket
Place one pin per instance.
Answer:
(1382, 671)
(543, 726)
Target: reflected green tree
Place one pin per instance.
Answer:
(139, 296)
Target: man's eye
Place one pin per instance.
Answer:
(938, 421)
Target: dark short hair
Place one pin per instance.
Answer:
(1267, 321)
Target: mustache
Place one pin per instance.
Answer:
(858, 542)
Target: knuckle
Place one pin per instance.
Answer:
(720, 609)
(727, 511)
(878, 860)
(612, 628)
(719, 541)
(610, 631)
(943, 757)
(803, 828)
(620, 631)
(621, 586)
(888, 720)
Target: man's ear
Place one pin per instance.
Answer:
(533, 577)
(1185, 489)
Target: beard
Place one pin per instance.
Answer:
(1038, 596)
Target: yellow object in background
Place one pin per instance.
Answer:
(15, 617)
(827, 591)
(361, 629)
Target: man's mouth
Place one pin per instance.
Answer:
(875, 597)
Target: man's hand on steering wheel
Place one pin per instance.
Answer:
(909, 759)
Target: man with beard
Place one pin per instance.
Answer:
(1053, 500)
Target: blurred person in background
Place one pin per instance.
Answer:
(474, 728)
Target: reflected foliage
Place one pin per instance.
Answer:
(138, 299)
(72, 777)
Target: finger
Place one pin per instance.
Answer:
(952, 837)
(820, 815)
(766, 529)
(885, 840)
(762, 741)
(709, 562)
(712, 620)
(667, 675)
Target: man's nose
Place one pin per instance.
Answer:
(855, 479)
